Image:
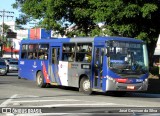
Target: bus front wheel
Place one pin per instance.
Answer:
(40, 80)
(85, 86)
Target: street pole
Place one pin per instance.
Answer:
(3, 15)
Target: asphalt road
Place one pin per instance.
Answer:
(24, 94)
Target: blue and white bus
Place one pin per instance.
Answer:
(117, 64)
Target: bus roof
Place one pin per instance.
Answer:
(83, 39)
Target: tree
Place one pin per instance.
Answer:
(131, 18)
(3, 38)
(56, 13)
(5, 30)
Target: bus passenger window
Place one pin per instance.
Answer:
(70, 57)
(84, 52)
(24, 55)
(41, 56)
(30, 56)
(87, 57)
(68, 52)
(34, 56)
(65, 58)
(45, 56)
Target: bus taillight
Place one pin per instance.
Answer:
(121, 80)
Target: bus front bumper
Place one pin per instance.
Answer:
(115, 86)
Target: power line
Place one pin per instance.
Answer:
(3, 15)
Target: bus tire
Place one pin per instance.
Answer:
(85, 86)
(40, 80)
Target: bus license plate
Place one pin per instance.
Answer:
(130, 87)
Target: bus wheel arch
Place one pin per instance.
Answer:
(40, 79)
(84, 85)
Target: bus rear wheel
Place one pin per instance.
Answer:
(40, 80)
(85, 86)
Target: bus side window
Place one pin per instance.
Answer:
(41, 54)
(71, 57)
(24, 51)
(34, 55)
(24, 55)
(68, 52)
(84, 52)
(64, 57)
(30, 55)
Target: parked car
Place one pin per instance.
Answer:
(3, 67)
(10, 59)
(7, 60)
(13, 66)
(7, 63)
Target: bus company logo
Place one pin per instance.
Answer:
(34, 65)
(6, 110)
(139, 80)
(22, 62)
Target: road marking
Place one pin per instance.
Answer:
(27, 96)
(81, 104)
(6, 102)
(69, 105)
(46, 100)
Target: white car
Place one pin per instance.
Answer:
(13, 66)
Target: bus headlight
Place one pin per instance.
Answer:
(146, 80)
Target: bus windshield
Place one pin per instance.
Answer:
(128, 57)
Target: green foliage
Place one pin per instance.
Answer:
(147, 10)
(5, 28)
(131, 18)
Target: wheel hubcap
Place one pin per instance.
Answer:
(39, 80)
(86, 85)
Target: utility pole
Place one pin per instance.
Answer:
(3, 15)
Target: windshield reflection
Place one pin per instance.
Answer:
(128, 60)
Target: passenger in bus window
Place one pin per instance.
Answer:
(71, 57)
(41, 56)
(65, 58)
(88, 57)
(30, 56)
(45, 56)
(34, 56)
(89, 49)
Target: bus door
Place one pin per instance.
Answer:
(97, 67)
(54, 61)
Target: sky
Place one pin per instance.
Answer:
(6, 5)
